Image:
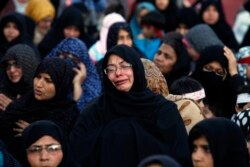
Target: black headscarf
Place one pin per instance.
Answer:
(171, 16)
(221, 27)
(71, 16)
(25, 27)
(121, 128)
(38, 129)
(113, 33)
(163, 160)
(25, 57)
(219, 92)
(226, 142)
(59, 109)
(183, 62)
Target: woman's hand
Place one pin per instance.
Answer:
(4, 101)
(80, 76)
(21, 126)
(232, 63)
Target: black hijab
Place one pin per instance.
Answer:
(25, 27)
(38, 129)
(220, 92)
(59, 109)
(71, 16)
(182, 67)
(226, 142)
(221, 27)
(121, 128)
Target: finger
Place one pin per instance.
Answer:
(19, 130)
(23, 122)
(18, 135)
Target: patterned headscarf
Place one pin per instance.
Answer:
(92, 84)
(155, 80)
(242, 119)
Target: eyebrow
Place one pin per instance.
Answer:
(111, 64)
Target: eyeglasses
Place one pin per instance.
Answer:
(10, 64)
(52, 148)
(111, 69)
(219, 73)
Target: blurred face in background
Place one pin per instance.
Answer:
(45, 24)
(71, 32)
(124, 38)
(210, 15)
(14, 71)
(165, 58)
(11, 31)
(162, 4)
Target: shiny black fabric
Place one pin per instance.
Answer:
(122, 128)
(226, 142)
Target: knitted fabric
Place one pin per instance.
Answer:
(202, 36)
(25, 57)
(92, 84)
(40, 9)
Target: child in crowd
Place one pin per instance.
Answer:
(149, 40)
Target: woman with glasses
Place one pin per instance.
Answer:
(18, 66)
(48, 100)
(217, 71)
(46, 145)
(127, 122)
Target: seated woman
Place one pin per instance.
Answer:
(127, 122)
(18, 65)
(218, 142)
(217, 71)
(46, 145)
(87, 84)
(47, 101)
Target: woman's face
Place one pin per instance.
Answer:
(124, 38)
(11, 31)
(201, 154)
(162, 4)
(13, 71)
(45, 152)
(120, 73)
(165, 58)
(44, 88)
(211, 15)
(71, 32)
(215, 67)
(45, 24)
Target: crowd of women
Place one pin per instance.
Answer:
(149, 83)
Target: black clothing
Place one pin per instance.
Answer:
(59, 109)
(71, 16)
(26, 28)
(221, 27)
(219, 92)
(122, 128)
(38, 129)
(225, 139)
